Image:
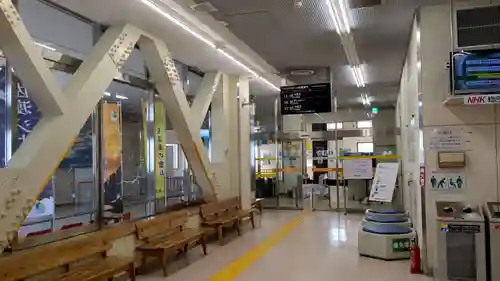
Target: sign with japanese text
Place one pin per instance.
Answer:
(302, 99)
(27, 116)
(384, 182)
(160, 152)
(481, 99)
(448, 139)
(112, 155)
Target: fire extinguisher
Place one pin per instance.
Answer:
(415, 261)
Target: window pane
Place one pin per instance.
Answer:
(364, 124)
(124, 150)
(69, 200)
(366, 147)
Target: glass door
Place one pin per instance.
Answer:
(266, 164)
(290, 176)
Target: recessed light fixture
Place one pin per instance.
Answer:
(302, 72)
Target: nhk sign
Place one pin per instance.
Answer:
(482, 99)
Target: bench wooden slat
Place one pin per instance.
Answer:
(167, 233)
(99, 270)
(225, 213)
(26, 263)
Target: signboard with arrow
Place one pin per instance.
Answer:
(446, 181)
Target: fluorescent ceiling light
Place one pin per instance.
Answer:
(237, 62)
(338, 12)
(45, 46)
(207, 41)
(269, 83)
(344, 15)
(107, 94)
(358, 76)
(120, 97)
(242, 65)
(365, 100)
(177, 22)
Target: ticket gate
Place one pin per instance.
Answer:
(460, 242)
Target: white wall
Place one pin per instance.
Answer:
(482, 122)
(408, 123)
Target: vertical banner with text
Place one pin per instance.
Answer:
(112, 152)
(27, 116)
(160, 149)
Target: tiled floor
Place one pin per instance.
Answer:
(324, 247)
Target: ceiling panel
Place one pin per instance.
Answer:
(298, 34)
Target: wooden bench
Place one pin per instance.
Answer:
(76, 259)
(225, 214)
(165, 234)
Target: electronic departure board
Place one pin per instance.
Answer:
(303, 99)
(476, 72)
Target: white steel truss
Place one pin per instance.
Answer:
(204, 96)
(64, 111)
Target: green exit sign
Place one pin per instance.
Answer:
(375, 110)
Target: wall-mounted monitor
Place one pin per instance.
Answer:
(304, 99)
(476, 72)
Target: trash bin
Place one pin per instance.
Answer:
(493, 242)
(460, 242)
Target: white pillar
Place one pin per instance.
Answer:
(245, 186)
(225, 136)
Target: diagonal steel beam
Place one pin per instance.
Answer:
(35, 161)
(27, 61)
(203, 98)
(166, 79)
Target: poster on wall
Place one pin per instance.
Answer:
(358, 168)
(27, 117)
(160, 152)
(446, 181)
(448, 139)
(384, 182)
(112, 156)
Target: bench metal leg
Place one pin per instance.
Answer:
(131, 272)
(252, 219)
(237, 226)
(163, 261)
(203, 243)
(219, 235)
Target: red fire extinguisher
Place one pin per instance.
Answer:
(415, 261)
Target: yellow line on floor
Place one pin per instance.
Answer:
(236, 267)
